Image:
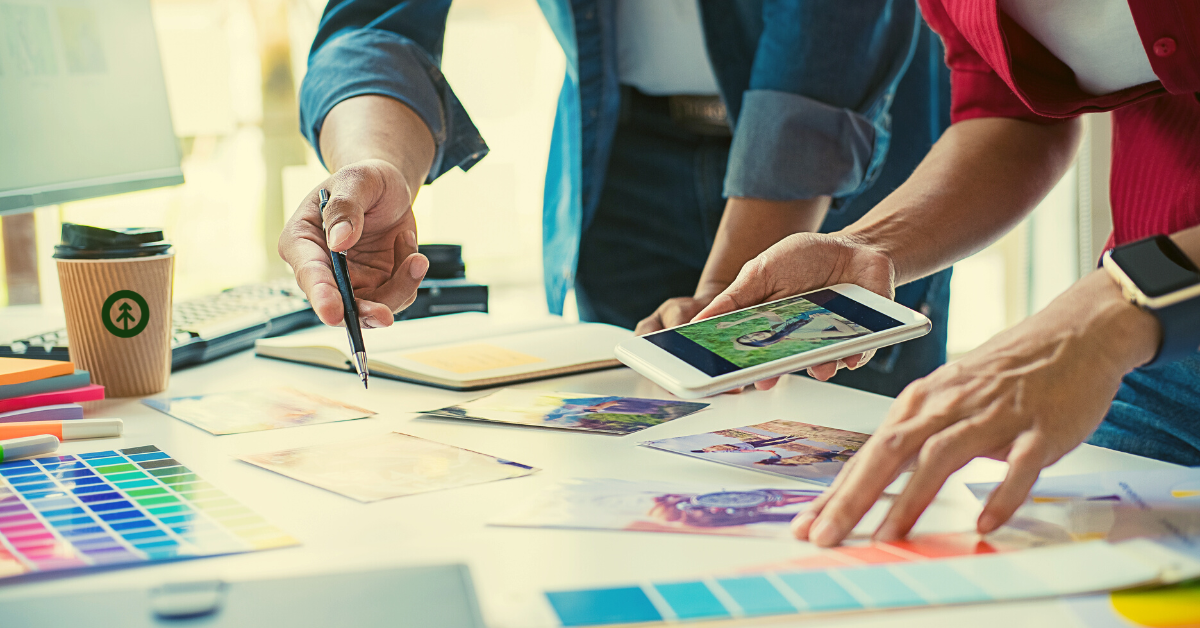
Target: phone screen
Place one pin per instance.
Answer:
(771, 331)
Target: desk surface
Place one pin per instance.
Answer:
(511, 566)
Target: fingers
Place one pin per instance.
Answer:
(766, 384)
(1025, 463)
(650, 324)
(802, 523)
(941, 455)
(400, 290)
(750, 287)
(872, 469)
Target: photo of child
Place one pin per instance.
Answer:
(772, 331)
(788, 448)
(606, 414)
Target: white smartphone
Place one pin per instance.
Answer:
(739, 348)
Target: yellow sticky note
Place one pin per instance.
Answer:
(473, 358)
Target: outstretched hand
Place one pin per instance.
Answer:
(1027, 396)
(369, 216)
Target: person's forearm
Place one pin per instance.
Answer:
(378, 127)
(749, 227)
(981, 178)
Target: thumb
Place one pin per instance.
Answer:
(750, 288)
(344, 214)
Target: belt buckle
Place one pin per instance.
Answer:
(704, 115)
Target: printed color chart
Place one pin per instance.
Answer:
(134, 505)
(1044, 572)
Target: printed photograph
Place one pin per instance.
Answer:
(772, 331)
(388, 465)
(598, 504)
(257, 410)
(586, 412)
(789, 448)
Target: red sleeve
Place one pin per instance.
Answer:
(976, 89)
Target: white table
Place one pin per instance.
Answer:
(510, 566)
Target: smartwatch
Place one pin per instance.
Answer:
(1156, 276)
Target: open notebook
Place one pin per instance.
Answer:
(461, 351)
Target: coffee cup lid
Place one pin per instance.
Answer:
(86, 242)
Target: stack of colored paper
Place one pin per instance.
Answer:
(28, 384)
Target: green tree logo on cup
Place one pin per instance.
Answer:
(125, 314)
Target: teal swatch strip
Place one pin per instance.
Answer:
(692, 600)
(756, 596)
(603, 606)
(819, 591)
(882, 587)
(941, 584)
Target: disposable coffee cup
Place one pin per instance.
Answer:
(116, 291)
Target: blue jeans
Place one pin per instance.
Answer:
(1156, 414)
(655, 224)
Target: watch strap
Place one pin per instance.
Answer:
(1180, 331)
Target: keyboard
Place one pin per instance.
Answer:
(206, 328)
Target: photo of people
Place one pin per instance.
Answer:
(605, 414)
(598, 504)
(772, 331)
(788, 448)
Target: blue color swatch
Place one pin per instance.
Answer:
(603, 606)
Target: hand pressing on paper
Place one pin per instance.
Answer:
(369, 216)
(801, 263)
(1027, 396)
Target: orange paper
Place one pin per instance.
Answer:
(21, 370)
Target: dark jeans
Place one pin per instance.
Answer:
(1156, 414)
(658, 214)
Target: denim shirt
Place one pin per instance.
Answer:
(808, 85)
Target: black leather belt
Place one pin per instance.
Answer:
(702, 115)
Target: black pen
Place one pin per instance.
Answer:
(341, 274)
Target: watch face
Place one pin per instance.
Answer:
(732, 499)
(1156, 266)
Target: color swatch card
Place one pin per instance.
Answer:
(1168, 488)
(788, 448)
(1037, 573)
(135, 505)
(388, 465)
(596, 504)
(1163, 505)
(585, 412)
(256, 410)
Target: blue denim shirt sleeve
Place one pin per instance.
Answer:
(389, 48)
(814, 120)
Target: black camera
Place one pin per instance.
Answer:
(445, 289)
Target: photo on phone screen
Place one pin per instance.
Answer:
(771, 331)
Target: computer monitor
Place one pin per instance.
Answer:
(83, 104)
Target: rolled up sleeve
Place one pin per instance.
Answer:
(815, 120)
(372, 61)
(789, 146)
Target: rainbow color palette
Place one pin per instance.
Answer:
(1044, 572)
(133, 505)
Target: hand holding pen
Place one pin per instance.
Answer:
(369, 216)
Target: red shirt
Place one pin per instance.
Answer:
(999, 70)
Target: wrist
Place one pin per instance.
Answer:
(1128, 335)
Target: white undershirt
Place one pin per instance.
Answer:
(1097, 39)
(660, 47)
